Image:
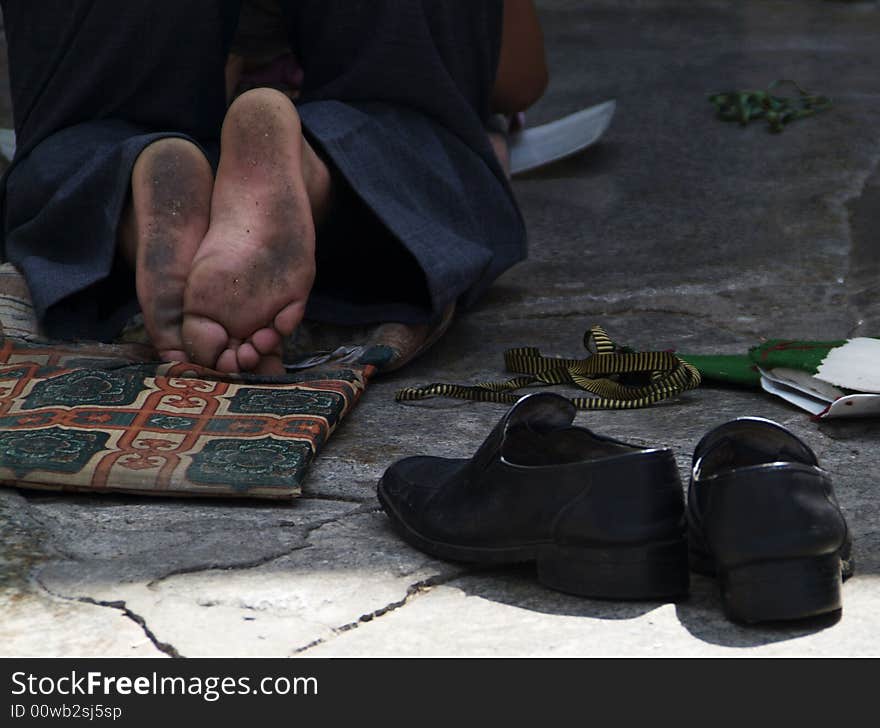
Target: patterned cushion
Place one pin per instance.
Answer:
(87, 418)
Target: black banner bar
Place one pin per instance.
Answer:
(325, 692)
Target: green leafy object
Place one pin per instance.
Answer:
(747, 105)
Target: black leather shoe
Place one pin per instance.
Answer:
(763, 518)
(601, 518)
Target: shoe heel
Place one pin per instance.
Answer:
(782, 590)
(650, 571)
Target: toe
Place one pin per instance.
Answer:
(266, 341)
(205, 340)
(289, 318)
(227, 362)
(248, 357)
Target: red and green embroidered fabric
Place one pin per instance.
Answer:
(97, 419)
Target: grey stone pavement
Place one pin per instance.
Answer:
(677, 231)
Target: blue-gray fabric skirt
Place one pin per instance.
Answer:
(395, 98)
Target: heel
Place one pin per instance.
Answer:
(780, 590)
(649, 571)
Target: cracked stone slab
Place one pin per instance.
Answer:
(350, 569)
(517, 617)
(105, 542)
(674, 199)
(506, 613)
(30, 617)
(32, 627)
(863, 278)
(351, 469)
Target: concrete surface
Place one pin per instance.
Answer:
(677, 231)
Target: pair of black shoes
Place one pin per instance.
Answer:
(601, 518)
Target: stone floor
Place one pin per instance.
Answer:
(677, 231)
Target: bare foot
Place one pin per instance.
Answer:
(252, 275)
(162, 228)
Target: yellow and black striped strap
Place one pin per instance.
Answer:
(617, 377)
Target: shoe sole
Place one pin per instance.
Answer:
(651, 571)
(776, 591)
